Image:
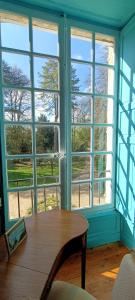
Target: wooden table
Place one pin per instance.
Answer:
(52, 237)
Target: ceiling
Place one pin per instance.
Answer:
(111, 12)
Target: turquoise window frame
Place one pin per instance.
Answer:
(93, 28)
(64, 23)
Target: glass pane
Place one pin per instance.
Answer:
(80, 167)
(18, 139)
(104, 49)
(81, 77)
(81, 44)
(16, 69)
(47, 170)
(46, 107)
(48, 198)
(102, 192)
(14, 31)
(104, 80)
(103, 166)
(103, 110)
(46, 73)
(81, 137)
(26, 203)
(13, 205)
(81, 109)
(20, 172)
(47, 139)
(20, 204)
(17, 105)
(103, 138)
(80, 195)
(45, 37)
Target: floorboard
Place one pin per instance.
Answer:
(102, 268)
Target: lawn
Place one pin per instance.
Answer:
(22, 174)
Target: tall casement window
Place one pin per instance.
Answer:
(53, 123)
(92, 102)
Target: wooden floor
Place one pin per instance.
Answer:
(102, 268)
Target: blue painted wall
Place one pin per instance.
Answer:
(125, 184)
(104, 227)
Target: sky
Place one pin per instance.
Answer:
(17, 36)
(46, 42)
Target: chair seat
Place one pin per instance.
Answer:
(124, 286)
(66, 291)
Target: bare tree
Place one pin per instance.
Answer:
(17, 102)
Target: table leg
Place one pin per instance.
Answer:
(83, 260)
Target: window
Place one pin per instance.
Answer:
(42, 140)
(92, 101)
(30, 88)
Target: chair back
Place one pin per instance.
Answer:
(124, 286)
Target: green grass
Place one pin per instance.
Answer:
(46, 170)
(24, 174)
(45, 173)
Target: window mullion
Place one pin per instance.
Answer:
(61, 34)
(2, 143)
(33, 113)
(68, 116)
(92, 136)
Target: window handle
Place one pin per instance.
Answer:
(59, 155)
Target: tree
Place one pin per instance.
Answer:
(75, 88)
(81, 139)
(49, 75)
(18, 139)
(45, 137)
(17, 102)
(101, 74)
(49, 80)
(17, 106)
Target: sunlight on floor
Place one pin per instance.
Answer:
(111, 274)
